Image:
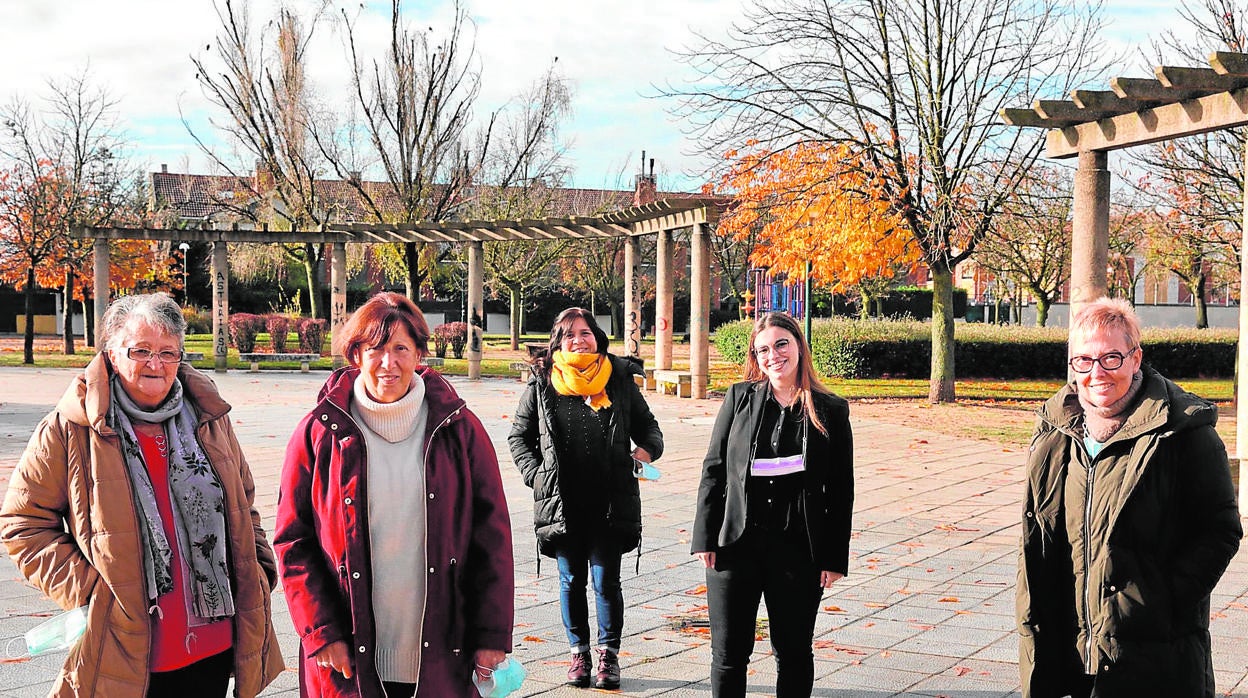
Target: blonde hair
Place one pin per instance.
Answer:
(807, 381)
(1105, 314)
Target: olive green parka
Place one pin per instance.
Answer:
(1120, 553)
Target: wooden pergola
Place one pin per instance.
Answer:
(1138, 111)
(660, 218)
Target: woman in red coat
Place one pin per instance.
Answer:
(392, 534)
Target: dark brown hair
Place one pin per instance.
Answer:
(807, 380)
(374, 322)
(561, 327)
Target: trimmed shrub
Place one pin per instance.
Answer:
(198, 320)
(278, 326)
(846, 348)
(243, 330)
(311, 332)
(454, 334)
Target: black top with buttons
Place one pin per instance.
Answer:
(774, 503)
(581, 441)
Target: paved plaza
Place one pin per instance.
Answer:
(927, 608)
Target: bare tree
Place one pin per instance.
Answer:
(416, 106)
(264, 91)
(1029, 242)
(914, 85)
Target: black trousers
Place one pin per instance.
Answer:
(777, 568)
(207, 678)
(399, 690)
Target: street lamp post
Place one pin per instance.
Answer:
(186, 291)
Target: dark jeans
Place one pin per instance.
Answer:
(207, 678)
(763, 565)
(602, 558)
(399, 690)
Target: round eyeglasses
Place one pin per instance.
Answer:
(1110, 362)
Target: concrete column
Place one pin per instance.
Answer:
(101, 273)
(699, 309)
(1090, 244)
(632, 301)
(1241, 390)
(220, 306)
(337, 296)
(476, 309)
(664, 299)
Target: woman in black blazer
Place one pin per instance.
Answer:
(774, 509)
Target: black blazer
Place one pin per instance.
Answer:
(828, 485)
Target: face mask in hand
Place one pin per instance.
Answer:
(506, 678)
(645, 471)
(57, 633)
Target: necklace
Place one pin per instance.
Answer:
(161, 444)
(787, 400)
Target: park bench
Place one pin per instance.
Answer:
(194, 356)
(255, 359)
(645, 381)
(434, 361)
(680, 383)
(525, 368)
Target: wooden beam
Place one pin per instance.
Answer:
(1029, 117)
(1151, 90)
(1060, 109)
(1108, 100)
(1187, 118)
(1198, 79)
(1228, 63)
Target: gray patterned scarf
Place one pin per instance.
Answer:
(197, 499)
(1101, 423)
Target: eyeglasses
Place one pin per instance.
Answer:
(144, 355)
(1110, 362)
(781, 346)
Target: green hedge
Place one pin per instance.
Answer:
(902, 349)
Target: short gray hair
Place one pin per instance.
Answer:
(157, 310)
(1103, 315)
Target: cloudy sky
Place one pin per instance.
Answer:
(613, 52)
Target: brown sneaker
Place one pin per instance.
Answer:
(578, 673)
(608, 669)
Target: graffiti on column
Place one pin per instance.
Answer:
(475, 338)
(221, 311)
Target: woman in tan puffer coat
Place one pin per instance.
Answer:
(133, 499)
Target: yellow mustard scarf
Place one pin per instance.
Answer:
(582, 374)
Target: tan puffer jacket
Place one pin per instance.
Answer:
(72, 476)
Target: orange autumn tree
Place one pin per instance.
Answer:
(814, 203)
(31, 221)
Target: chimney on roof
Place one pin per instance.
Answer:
(164, 168)
(645, 190)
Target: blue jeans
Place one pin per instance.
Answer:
(602, 557)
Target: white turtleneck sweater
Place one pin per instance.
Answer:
(394, 435)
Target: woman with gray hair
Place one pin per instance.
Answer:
(133, 499)
(1130, 519)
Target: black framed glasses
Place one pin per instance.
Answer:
(144, 355)
(1110, 362)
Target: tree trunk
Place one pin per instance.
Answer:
(88, 323)
(67, 329)
(1198, 296)
(311, 269)
(864, 312)
(28, 341)
(941, 384)
(411, 256)
(1042, 309)
(513, 296)
(617, 318)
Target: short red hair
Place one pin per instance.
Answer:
(374, 322)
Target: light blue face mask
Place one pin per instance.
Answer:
(645, 471)
(57, 633)
(506, 679)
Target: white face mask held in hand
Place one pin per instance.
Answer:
(505, 679)
(55, 634)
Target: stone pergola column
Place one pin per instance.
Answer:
(1089, 250)
(100, 278)
(632, 304)
(699, 309)
(337, 297)
(664, 300)
(220, 306)
(476, 309)
(1241, 389)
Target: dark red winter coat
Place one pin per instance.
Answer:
(321, 539)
